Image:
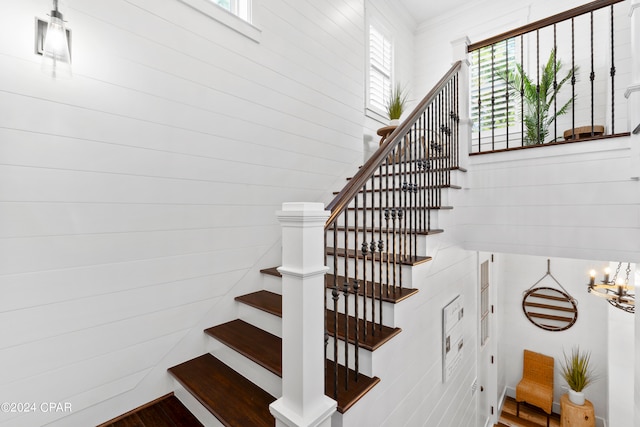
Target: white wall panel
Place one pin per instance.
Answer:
(137, 198)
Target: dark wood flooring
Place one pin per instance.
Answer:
(530, 416)
(165, 412)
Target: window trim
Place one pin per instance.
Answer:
(226, 18)
(372, 111)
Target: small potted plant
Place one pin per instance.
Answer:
(396, 104)
(577, 373)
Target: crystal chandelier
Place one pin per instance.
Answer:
(616, 291)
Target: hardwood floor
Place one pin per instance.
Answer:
(529, 416)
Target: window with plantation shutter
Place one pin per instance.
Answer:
(240, 8)
(380, 67)
(490, 105)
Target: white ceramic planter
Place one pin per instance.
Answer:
(576, 397)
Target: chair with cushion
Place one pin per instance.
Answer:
(536, 385)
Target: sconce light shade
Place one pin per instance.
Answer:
(56, 59)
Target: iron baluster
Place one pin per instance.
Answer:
(493, 98)
(573, 79)
(592, 76)
(522, 92)
(613, 74)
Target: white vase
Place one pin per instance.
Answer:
(394, 122)
(576, 397)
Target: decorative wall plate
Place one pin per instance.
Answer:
(549, 308)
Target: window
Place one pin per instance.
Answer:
(484, 302)
(240, 8)
(380, 68)
(486, 85)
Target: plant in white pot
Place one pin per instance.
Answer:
(395, 104)
(577, 373)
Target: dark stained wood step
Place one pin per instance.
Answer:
(232, 398)
(405, 208)
(166, 411)
(268, 353)
(400, 294)
(356, 389)
(436, 169)
(260, 346)
(375, 336)
(388, 295)
(378, 230)
(263, 300)
(412, 261)
(374, 339)
(399, 188)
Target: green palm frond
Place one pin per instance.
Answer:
(538, 97)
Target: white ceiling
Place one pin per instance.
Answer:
(423, 10)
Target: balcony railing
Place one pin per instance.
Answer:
(560, 79)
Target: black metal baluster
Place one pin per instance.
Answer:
(613, 74)
(479, 104)
(522, 92)
(555, 83)
(365, 250)
(538, 87)
(493, 98)
(592, 77)
(506, 92)
(573, 80)
(335, 293)
(356, 314)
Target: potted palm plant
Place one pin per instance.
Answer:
(396, 104)
(577, 373)
(538, 98)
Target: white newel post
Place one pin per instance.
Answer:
(303, 402)
(460, 53)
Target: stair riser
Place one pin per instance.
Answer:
(388, 309)
(402, 241)
(255, 373)
(365, 357)
(260, 319)
(419, 219)
(406, 271)
(272, 283)
(195, 407)
(399, 198)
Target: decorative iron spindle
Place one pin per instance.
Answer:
(613, 75)
(405, 178)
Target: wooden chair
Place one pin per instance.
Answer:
(536, 386)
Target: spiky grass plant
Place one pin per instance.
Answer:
(538, 99)
(396, 103)
(576, 370)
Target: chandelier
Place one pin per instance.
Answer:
(616, 291)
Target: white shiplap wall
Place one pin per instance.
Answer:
(138, 197)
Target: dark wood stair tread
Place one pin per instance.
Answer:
(390, 295)
(400, 294)
(254, 343)
(375, 337)
(399, 188)
(405, 208)
(412, 261)
(166, 411)
(268, 353)
(378, 230)
(232, 398)
(356, 389)
(263, 300)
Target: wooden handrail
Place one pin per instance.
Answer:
(340, 202)
(571, 13)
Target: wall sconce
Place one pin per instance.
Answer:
(52, 42)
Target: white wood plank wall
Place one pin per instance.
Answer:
(136, 195)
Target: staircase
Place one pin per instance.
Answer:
(375, 241)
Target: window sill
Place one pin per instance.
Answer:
(226, 18)
(376, 115)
